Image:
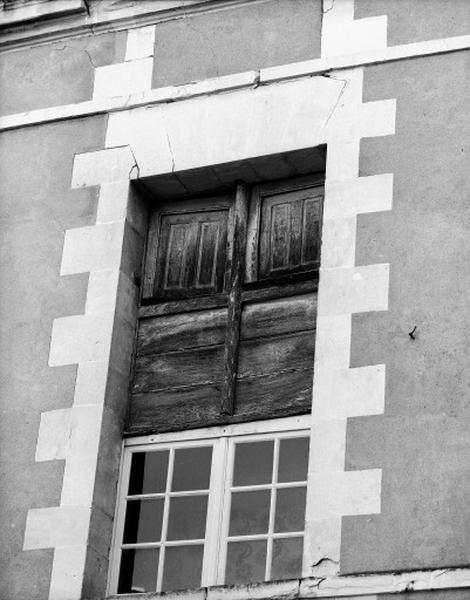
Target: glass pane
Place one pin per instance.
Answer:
(290, 510)
(246, 562)
(143, 521)
(192, 469)
(187, 520)
(293, 459)
(183, 567)
(249, 513)
(253, 463)
(148, 472)
(138, 571)
(287, 558)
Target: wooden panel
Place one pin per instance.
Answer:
(191, 254)
(269, 397)
(283, 315)
(290, 232)
(277, 354)
(178, 369)
(177, 332)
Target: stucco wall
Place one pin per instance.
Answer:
(57, 73)
(422, 442)
(417, 20)
(251, 36)
(37, 207)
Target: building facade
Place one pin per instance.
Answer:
(236, 265)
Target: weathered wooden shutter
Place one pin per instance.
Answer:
(199, 310)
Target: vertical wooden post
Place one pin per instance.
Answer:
(234, 312)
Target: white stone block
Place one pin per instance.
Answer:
(92, 248)
(123, 79)
(226, 127)
(378, 118)
(338, 242)
(332, 343)
(322, 540)
(104, 166)
(53, 438)
(79, 479)
(341, 34)
(353, 290)
(68, 568)
(358, 195)
(90, 385)
(80, 338)
(102, 291)
(346, 393)
(113, 202)
(327, 445)
(336, 494)
(342, 160)
(140, 42)
(56, 526)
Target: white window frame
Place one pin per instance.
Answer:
(220, 489)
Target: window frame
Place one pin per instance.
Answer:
(222, 439)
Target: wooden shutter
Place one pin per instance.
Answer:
(187, 250)
(285, 229)
(209, 350)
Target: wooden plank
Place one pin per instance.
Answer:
(237, 265)
(273, 396)
(176, 370)
(181, 331)
(276, 354)
(248, 296)
(278, 316)
(180, 306)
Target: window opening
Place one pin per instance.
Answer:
(227, 507)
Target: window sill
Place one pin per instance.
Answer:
(288, 589)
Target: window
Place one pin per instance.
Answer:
(227, 323)
(225, 506)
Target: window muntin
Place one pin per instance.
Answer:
(265, 513)
(218, 517)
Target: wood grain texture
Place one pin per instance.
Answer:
(237, 265)
(276, 354)
(178, 369)
(278, 316)
(158, 335)
(265, 398)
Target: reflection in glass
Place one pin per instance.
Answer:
(246, 562)
(249, 513)
(187, 520)
(287, 558)
(290, 509)
(138, 571)
(253, 463)
(293, 459)
(183, 567)
(148, 472)
(192, 469)
(143, 521)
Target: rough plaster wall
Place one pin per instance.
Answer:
(422, 443)
(239, 39)
(55, 74)
(418, 20)
(37, 207)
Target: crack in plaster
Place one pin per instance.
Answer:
(345, 83)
